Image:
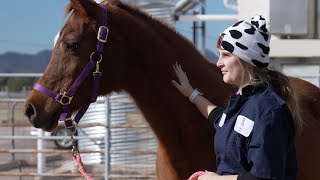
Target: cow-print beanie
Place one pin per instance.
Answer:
(249, 40)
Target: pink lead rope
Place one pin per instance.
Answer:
(78, 161)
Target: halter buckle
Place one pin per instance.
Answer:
(103, 33)
(65, 99)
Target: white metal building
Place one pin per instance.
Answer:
(295, 28)
(295, 25)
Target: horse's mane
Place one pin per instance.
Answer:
(184, 51)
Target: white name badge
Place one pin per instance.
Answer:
(222, 120)
(243, 125)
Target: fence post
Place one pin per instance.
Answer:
(13, 129)
(107, 138)
(41, 161)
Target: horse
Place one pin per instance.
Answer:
(137, 59)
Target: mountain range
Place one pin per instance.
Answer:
(12, 62)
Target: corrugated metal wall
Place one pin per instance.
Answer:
(130, 144)
(97, 113)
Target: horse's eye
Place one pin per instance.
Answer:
(72, 47)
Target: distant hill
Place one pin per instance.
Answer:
(12, 62)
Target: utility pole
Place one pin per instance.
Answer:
(203, 26)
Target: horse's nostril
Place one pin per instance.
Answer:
(29, 111)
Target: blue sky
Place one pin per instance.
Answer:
(30, 26)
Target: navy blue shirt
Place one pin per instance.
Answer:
(255, 133)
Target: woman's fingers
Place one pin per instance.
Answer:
(178, 71)
(182, 84)
(177, 85)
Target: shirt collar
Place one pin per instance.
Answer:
(250, 89)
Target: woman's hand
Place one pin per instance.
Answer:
(184, 87)
(208, 176)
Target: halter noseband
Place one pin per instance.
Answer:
(95, 58)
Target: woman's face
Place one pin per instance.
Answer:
(231, 68)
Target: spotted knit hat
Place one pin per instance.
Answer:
(249, 40)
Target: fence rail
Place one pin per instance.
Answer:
(126, 149)
(56, 151)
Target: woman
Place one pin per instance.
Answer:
(255, 132)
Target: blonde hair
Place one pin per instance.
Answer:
(279, 83)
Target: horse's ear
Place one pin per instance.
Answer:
(85, 7)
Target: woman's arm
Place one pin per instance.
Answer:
(203, 105)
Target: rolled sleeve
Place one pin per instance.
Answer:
(215, 115)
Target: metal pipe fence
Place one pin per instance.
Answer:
(15, 140)
(128, 149)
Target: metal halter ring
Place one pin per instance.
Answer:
(100, 56)
(65, 99)
(71, 121)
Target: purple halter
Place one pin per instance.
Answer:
(95, 58)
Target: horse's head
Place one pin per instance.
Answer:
(71, 54)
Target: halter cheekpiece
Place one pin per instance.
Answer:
(65, 98)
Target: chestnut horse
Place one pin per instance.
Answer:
(138, 59)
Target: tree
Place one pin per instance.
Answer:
(16, 83)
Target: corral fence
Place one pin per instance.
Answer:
(114, 140)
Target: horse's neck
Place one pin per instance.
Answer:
(152, 54)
